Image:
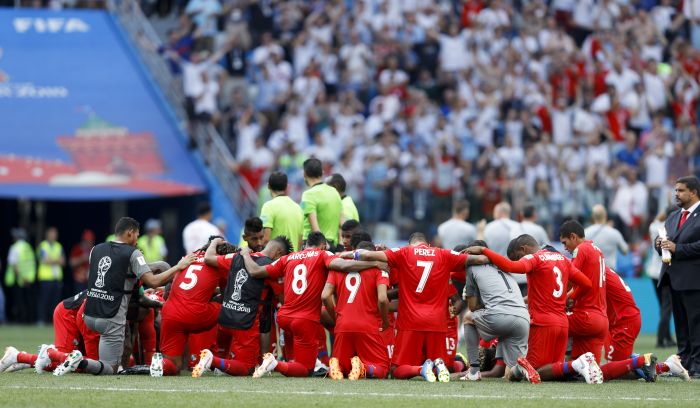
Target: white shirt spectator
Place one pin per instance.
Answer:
(357, 59)
(562, 129)
(583, 13)
(655, 91)
(622, 81)
(197, 233)
(453, 52)
(207, 94)
(656, 169)
(630, 201)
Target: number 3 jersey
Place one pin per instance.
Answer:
(192, 290)
(304, 275)
(423, 275)
(357, 297)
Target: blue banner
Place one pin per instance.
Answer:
(80, 119)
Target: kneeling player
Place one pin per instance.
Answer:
(359, 349)
(241, 310)
(189, 308)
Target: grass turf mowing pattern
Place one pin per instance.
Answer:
(26, 389)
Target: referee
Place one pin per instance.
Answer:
(321, 204)
(281, 216)
(115, 267)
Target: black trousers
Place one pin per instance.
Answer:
(686, 316)
(663, 294)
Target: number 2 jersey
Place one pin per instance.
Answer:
(619, 300)
(304, 275)
(357, 298)
(423, 275)
(192, 290)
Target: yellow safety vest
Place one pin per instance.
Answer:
(25, 268)
(151, 247)
(49, 272)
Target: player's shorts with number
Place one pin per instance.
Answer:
(369, 347)
(619, 344)
(546, 345)
(414, 347)
(175, 328)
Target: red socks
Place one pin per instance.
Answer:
(406, 371)
(373, 371)
(230, 367)
(169, 367)
(292, 369)
(662, 368)
(26, 358)
(617, 369)
(559, 370)
(57, 356)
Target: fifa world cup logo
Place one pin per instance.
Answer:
(241, 278)
(102, 268)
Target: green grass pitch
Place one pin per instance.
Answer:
(27, 389)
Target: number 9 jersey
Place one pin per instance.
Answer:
(304, 275)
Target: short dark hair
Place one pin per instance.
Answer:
(417, 237)
(285, 243)
(211, 238)
(477, 242)
(225, 248)
(365, 245)
(203, 208)
(277, 181)
(313, 168)
(358, 237)
(691, 182)
(315, 239)
(338, 182)
(529, 211)
(253, 225)
(520, 241)
(571, 227)
(460, 205)
(460, 247)
(126, 224)
(350, 225)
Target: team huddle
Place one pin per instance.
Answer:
(271, 305)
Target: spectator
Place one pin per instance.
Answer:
(607, 238)
(630, 204)
(20, 277)
(457, 230)
(79, 260)
(197, 232)
(528, 225)
(51, 259)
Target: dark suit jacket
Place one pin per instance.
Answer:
(684, 269)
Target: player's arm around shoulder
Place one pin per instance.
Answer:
(210, 254)
(152, 280)
(254, 270)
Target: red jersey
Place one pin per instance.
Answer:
(619, 298)
(194, 288)
(357, 308)
(588, 258)
(423, 276)
(305, 275)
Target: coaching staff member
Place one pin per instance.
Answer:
(683, 272)
(115, 266)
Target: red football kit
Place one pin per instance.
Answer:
(305, 274)
(452, 335)
(588, 324)
(423, 275)
(65, 330)
(358, 321)
(548, 274)
(188, 310)
(624, 317)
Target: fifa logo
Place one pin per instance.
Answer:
(241, 278)
(102, 268)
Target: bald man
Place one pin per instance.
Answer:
(605, 237)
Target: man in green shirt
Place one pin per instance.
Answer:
(349, 208)
(281, 215)
(321, 204)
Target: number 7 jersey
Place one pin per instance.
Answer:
(304, 275)
(423, 275)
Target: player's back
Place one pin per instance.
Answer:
(357, 300)
(620, 302)
(590, 261)
(423, 273)
(195, 286)
(547, 285)
(305, 275)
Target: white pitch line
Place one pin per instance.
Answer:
(350, 394)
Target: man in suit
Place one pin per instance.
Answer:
(682, 274)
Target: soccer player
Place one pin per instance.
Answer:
(625, 320)
(189, 309)
(241, 310)
(362, 306)
(548, 274)
(348, 228)
(498, 311)
(321, 204)
(252, 235)
(588, 324)
(423, 276)
(349, 208)
(281, 216)
(305, 275)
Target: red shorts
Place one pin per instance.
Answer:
(66, 336)
(414, 347)
(244, 344)
(304, 333)
(588, 330)
(91, 338)
(619, 344)
(546, 345)
(175, 329)
(451, 340)
(369, 347)
(389, 337)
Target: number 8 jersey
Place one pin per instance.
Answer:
(304, 275)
